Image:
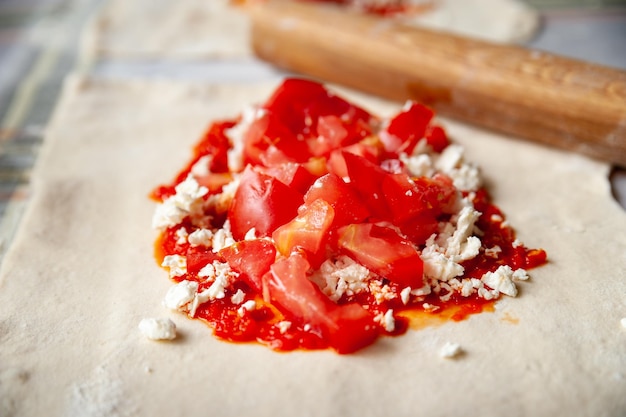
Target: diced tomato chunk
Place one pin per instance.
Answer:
(346, 327)
(367, 179)
(308, 231)
(384, 252)
(252, 259)
(436, 138)
(348, 206)
(292, 174)
(407, 128)
(261, 202)
(196, 260)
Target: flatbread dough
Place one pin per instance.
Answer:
(193, 29)
(80, 276)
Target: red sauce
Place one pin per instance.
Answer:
(260, 324)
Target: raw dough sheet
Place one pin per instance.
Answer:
(81, 275)
(201, 29)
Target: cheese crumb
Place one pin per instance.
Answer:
(201, 237)
(283, 326)
(188, 201)
(158, 329)
(223, 238)
(405, 295)
(177, 265)
(386, 320)
(237, 298)
(247, 306)
(180, 295)
(450, 350)
(501, 280)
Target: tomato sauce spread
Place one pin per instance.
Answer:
(309, 223)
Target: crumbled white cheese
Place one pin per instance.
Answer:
(520, 274)
(283, 326)
(381, 292)
(437, 265)
(180, 295)
(418, 165)
(188, 201)
(236, 137)
(429, 307)
(177, 265)
(450, 158)
(502, 280)
(181, 236)
(238, 297)
(158, 329)
(450, 350)
(493, 252)
(465, 177)
(405, 295)
(247, 306)
(201, 237)
(223, 238)
(217, 290)
(388, 321)
(341, 276)
(464, 228)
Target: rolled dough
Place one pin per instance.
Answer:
(195, 29)
(80, 276)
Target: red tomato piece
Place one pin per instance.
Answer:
(403, 197)
(301, 103)
(436, 138)
(348, 206)
(330, 135)
(384, 252)
(197, 259)
(346, 327)
(308, 231)
(261, 202)
(407, 128)
(367, 179)
(252, 259)
(269, 134)
(292, 174)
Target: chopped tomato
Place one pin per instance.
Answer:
(348, 206)
(384, 252)
(261, 202)
(292, 174)
(346, 327)
(436, 138)
(407, 128)
(308, 231)
(252, 259)
(367, 179)
(197, 259)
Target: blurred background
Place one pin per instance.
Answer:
(39, 44)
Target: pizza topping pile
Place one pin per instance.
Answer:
(310, 223)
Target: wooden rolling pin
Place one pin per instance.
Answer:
(558, 101)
